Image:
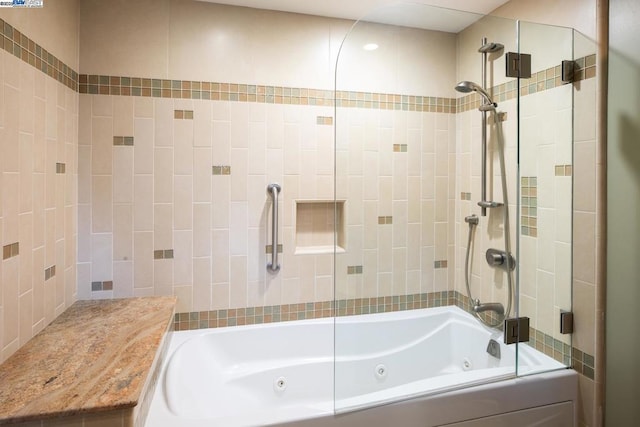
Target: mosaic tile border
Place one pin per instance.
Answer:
(217, 91)
(529, 206)
(311, 310)
(582, 362)
(550, 346)
(22, 47)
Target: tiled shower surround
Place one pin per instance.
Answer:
(38, 129)
(279, 299)
(180, 168)
(158, 193)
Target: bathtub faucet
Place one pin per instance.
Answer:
(490, 306)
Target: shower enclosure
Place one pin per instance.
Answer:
(411, 174)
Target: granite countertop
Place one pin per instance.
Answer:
(94, 357)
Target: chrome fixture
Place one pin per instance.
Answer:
(489, 306)
(495, 257)
(490, 47)
(274, 190)
(498, 258)
(493, 348)
(489, 204)
(487, 106)
(467, 87)
(471, 219)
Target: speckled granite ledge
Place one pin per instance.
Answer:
(95, 357)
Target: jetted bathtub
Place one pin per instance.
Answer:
(433, 363)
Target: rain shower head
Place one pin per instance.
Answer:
(490, 47)
(467, 87)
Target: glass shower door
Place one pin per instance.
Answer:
(546, 153)
(407, 173)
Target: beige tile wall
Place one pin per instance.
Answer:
(260, 47)
(160, 194)
(545, 259)
(54, 27)
(412, 189)
(38, 125)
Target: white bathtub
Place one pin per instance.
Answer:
(283, 374)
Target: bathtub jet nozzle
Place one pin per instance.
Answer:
(490, 306)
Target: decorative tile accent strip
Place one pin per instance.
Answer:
(321, 120)
(382, 220)
(381, 101)
(440, 264)
(550, 346)
(163, 254)
(268, 249)
(312, 310)
(102, 286)
(465, 196)
(586, 68)
(543, 80)
(32, 53)
(49, 272)
(35, 55)
(399, 148)
(354, 269)
(159, 88)
(221, 170)
(123, 140)
(11, 250)
(583, 363)
(564, 170)
(61, 167)
(183, 114)
(529, 217)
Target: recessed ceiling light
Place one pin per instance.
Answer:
(370, 46)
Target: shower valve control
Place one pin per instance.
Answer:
(498, 258)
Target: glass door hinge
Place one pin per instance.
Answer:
(516, 330)
(566, 322)
(518, 65)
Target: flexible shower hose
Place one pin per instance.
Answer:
(507, 238)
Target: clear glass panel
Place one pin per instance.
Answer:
(408, 167)
(546, 155)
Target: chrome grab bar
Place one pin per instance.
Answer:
(273, 190)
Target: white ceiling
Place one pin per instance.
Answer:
(356, 9)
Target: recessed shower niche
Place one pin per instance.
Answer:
(316, 223)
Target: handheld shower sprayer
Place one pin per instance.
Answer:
(467, 87)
